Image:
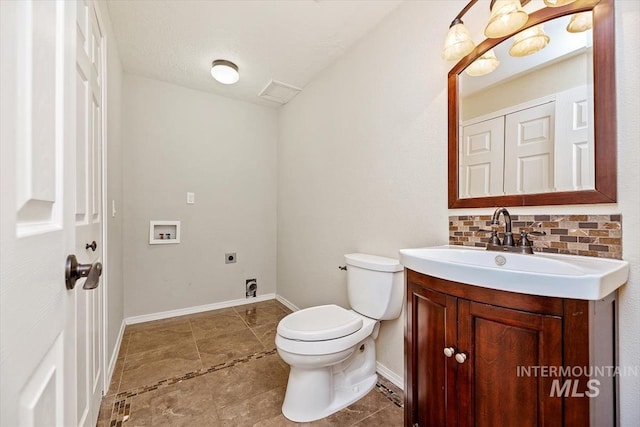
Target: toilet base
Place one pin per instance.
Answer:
(343, 397)
(316, 393)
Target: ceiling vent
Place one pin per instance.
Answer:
(279, 92)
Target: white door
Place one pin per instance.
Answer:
(528, 152)
(39, 318)
(574, 153)
(481, 158)
(88, 218)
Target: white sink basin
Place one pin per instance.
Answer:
(564, 276)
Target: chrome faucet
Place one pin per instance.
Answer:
(523, 246)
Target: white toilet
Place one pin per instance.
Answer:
(331, 350)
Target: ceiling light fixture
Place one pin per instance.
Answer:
(225, 72)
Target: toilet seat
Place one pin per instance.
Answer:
(321, 323)
(330, 346)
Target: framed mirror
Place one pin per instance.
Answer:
(573, 89)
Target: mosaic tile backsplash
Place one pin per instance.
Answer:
(587, 235)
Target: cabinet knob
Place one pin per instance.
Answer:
(449, 351)
(461, 357)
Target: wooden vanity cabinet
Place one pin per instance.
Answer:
(491, 337)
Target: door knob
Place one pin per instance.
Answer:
(93, 246)
(461, 357)
(74, 271)
(449, 351)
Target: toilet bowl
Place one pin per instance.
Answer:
(331, 350)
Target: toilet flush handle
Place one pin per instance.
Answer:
(342, 267)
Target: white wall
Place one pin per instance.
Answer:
(362, 162)
(113, 188)
(362, 166)
(179, 140)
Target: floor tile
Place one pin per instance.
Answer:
(228, 346)
(261, 313)
(219, 368)
(219, 322)
(150, 366)
(246, 380)
(387, 417)
(154, 338)
(251, 411)
(188, 403)
(369, 404)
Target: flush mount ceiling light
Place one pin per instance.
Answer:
(529, 41)
(225, 72)
(507, 16)
(487, 63)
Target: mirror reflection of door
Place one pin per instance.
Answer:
(543, 151)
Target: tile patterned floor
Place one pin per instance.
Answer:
(219, 368)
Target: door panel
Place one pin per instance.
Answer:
(497, 342)
(481, 159)
(529, 150)
(88, 205)
(37, 158)
(432, 327)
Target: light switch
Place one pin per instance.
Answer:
(191, 198)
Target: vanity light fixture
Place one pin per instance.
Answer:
(507, 16)
(487, 63)
(225, 72)
(458, 42)
(529, 41)
(580, 22)
(557, 3)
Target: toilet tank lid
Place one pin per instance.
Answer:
(374, 262)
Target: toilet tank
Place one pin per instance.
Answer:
(375, 285)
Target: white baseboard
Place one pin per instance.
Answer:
(396, 379)
(197, 309)
(114, 356)
(287, 303)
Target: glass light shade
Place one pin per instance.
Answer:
(529, 41)
(507, 17)
(225, 72)
(483, 65)
(458, 43)
(580, 22)
(557, 3)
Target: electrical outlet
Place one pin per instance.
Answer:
(252, 287)
(230, 258)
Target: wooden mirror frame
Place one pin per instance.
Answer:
(604, 104)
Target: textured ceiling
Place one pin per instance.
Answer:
(289, 41)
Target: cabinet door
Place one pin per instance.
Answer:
(497, 341)
(431, 326)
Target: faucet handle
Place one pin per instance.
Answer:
(524, 241)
